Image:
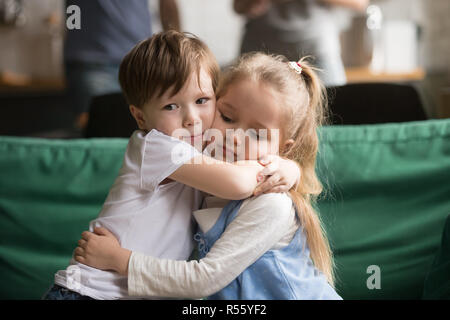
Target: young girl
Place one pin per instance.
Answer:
(247, 251)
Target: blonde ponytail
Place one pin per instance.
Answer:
(304, 151)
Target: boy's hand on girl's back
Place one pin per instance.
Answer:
(278, 176)
(101, 249)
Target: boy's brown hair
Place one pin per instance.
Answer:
(164, 60)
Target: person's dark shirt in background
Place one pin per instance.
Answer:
(109, 29)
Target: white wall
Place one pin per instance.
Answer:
(214, 21)
(33, 50)
(433, 18)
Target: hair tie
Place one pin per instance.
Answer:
(296, 66)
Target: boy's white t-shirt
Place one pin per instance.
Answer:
(144, 216)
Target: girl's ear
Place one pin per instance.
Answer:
(138, 115)
(287, 145)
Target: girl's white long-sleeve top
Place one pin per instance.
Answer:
(263, 223)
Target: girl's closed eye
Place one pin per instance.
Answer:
(202, 100)
(170, 107)
(225, 118)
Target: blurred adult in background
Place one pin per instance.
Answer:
(92, 54)
(296, 28)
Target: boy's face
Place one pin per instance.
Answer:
(191, 109)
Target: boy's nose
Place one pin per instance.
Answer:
(191, 118)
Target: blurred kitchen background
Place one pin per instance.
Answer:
(398, 41)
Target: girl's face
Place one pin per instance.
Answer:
(248, 105)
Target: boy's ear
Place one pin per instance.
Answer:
(138, 115)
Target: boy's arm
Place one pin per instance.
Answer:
(241, 179)
(167, 157)
(232, 181)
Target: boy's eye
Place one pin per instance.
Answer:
(224, 118)
(170, 107)
(202, 101)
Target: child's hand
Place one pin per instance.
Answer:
(279, 175)
(102, 250)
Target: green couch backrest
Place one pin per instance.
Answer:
(387, 197)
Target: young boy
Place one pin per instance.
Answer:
(169, 82)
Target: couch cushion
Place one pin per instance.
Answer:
(437, 281)
(389, 195)
(49, 191)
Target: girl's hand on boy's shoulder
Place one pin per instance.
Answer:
(279, 175)
(101, 249)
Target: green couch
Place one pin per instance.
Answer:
(387, 198)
